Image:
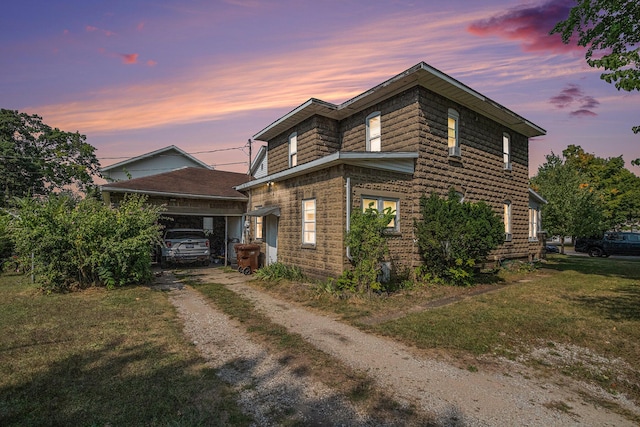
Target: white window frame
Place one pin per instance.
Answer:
(453, 132)
(379, 204)
(293, 149)
(534, 223)
(506, 150)
(374, 133)
(258, 223)
(508, 236)
(309, 231)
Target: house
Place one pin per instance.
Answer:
(194, 197)
(159, 161)
(259, 165)
(419, 132)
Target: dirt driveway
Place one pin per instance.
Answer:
(455, 396)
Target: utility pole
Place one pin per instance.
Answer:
(249, 143)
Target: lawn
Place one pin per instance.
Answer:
(575, 315)
(101, 357)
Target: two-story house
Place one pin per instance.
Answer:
(419, 132)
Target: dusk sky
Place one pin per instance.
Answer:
(137, 76)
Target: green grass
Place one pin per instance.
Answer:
(576, 304)
(101, 357)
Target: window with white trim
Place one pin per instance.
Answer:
(534, 223)
(382, 203)
(506, 150)
(293, 149)
(374, 142)
(453, 137)
(258, 221)
(507, 221)
(309, 222)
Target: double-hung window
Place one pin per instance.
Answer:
(534, 223)
(382, 203)
(374, 142)
(453, 137)
(293, 150)
(309, 222)
(506, 150)
(258, 226)
(507, 221)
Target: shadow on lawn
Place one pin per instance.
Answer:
(610, 267)
(105, 387)
(624, 305)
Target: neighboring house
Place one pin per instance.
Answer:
(419, 132)
(194, 198)
(259, 164)
(163, 160)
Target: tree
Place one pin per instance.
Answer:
(36, 159)
(453, 236)
(610, 30)
(619, 189)
(574, 206)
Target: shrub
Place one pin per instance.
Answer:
(453, 236)
(367, 241)
(85, 242)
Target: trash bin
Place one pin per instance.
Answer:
(247, 256)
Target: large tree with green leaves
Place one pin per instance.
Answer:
(574, 206)
(610, 30)
(36, 159)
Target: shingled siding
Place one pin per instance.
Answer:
(480, 173)
(326, 257)
(399, 124)
(180, 205)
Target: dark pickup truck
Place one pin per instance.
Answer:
(613, 243)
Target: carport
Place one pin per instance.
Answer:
(194, 198)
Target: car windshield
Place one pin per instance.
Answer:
(185, 234)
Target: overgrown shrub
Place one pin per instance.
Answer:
(84, 242)
(453, 236)
(367, 243)
(279, 271)
(6, 243)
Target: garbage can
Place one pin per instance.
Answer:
(247, 256)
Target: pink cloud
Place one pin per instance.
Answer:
(151, 63)
(140, 26)
(530, 25)
(572, 95)
(129, 58)
(92, 29)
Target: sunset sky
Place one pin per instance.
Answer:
(136, 76)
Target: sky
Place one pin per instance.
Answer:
(137, 76)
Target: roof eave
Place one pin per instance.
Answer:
(169, 194)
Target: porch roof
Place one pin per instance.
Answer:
(403, 162)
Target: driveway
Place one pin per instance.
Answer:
(510, 396)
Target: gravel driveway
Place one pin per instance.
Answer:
(268, 389)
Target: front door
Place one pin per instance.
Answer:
(271, 239)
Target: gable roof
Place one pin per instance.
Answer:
(262, 152)
(162, 151)
(421, 74)
(195, 183)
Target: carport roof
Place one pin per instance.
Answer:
(188, 182)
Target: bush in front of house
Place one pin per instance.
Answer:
(84, 242)
(453, 236)
(367, 243)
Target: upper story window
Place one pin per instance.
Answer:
(293, 150)
(374, 142)
(506, 150)
(382, 203)
(453, 134)
(507, 221)
(309, 222)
